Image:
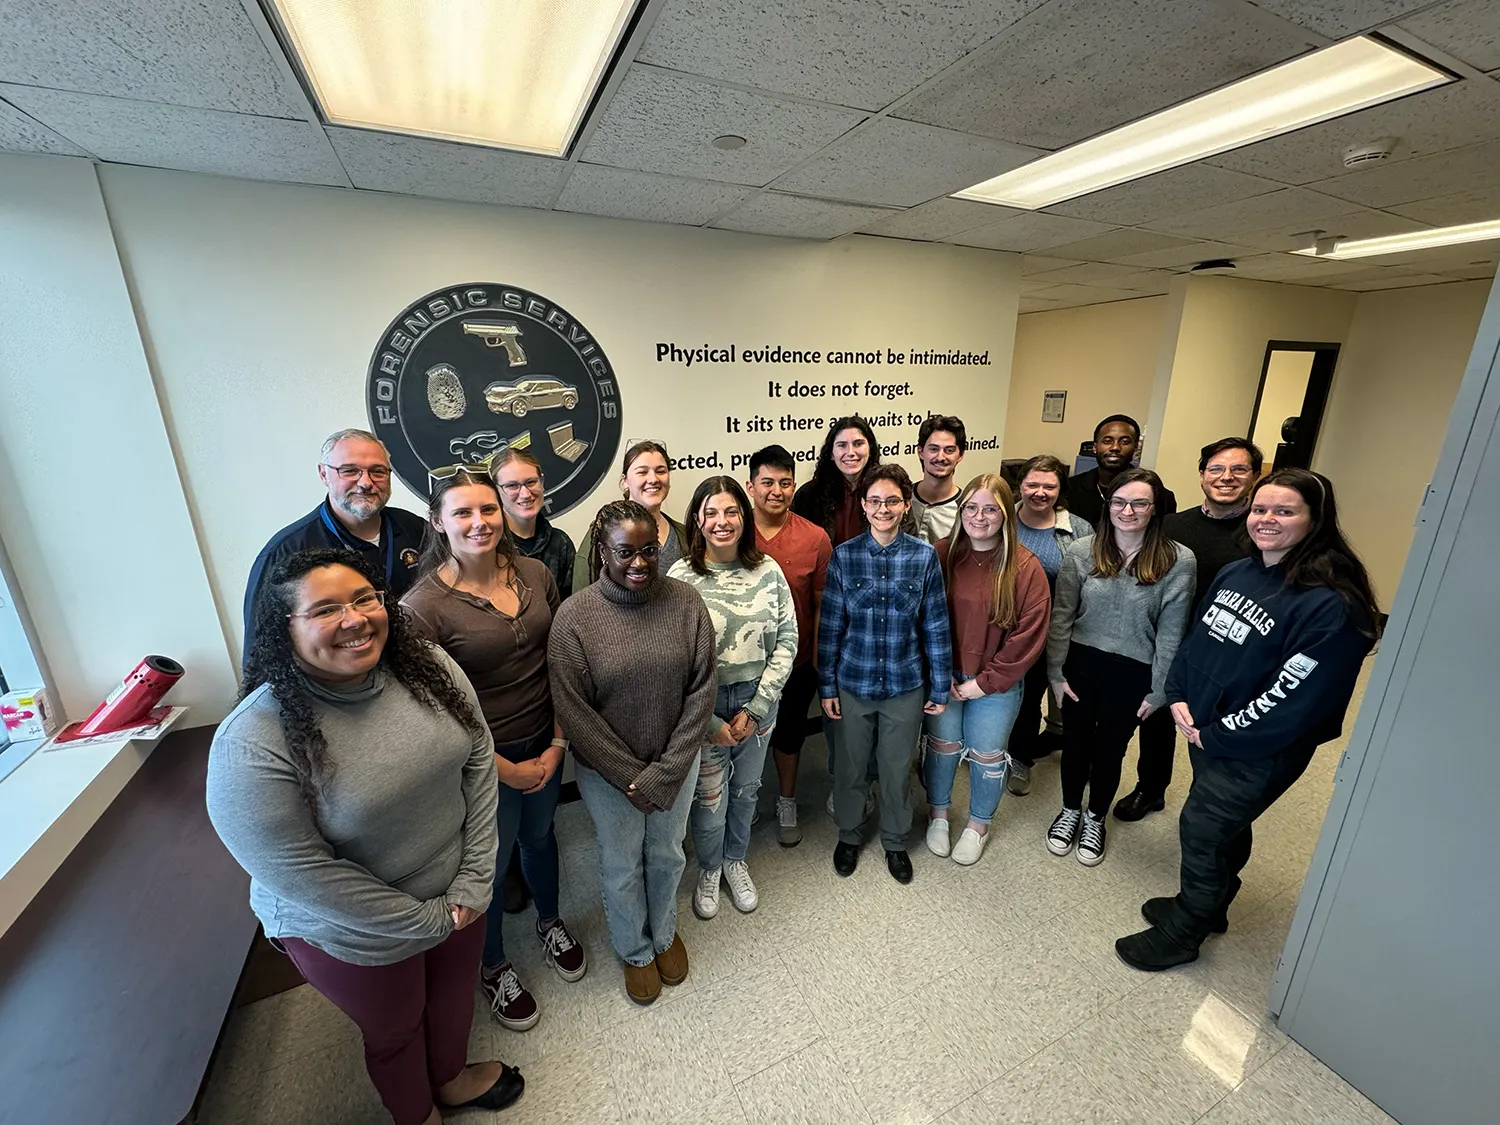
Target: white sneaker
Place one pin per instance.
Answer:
(1064, 831)
(788, 832)
(937, 836)
(1091, 841)
(741, 886)
(970, 847)
(706, 897)
(831, 814)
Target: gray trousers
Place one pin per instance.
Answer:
(885, 730)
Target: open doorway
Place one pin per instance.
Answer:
(1294, 382)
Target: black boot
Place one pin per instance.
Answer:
(1154, 910)
(1137, 804)
(1151, 951)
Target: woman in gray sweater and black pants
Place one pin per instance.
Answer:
(355, 782)
(1122, 606)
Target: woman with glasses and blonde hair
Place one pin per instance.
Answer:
(1123, 599)
(999, 606)
(490, 609)
(355, 783)
(631, 657)
(523, 494)
(646, 479)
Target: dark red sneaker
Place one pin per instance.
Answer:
(563, 952)
(512, 1004)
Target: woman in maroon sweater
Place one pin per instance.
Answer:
(1000, 606)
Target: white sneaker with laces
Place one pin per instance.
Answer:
(1091, 841)
(937, 836)
(970, 847)
(741, 886)
(706, 896)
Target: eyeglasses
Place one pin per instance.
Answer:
(625, 554)
(513, 487)
(1240, 471)
(890, 503)
(988, 512)
(364, 605)
(1118, 505)
(377, 473)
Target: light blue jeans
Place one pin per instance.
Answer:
(728, 782)
(640, 864)
(979, 728)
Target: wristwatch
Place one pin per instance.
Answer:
(562, 744)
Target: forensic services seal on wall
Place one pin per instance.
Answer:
(472, 370)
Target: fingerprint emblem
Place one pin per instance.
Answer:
(445, 394)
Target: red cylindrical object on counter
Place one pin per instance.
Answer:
(132, 701)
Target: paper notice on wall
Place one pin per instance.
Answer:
(1053, 405)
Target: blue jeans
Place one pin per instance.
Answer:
(721, 821)
(981, 728)
(526, 817)
(640, 864)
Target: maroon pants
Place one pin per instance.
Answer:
(414, 1015)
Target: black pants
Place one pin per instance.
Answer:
(1097, 725)
(797, 695)
(1226, 798)
(1158, 748)
(1025, 736)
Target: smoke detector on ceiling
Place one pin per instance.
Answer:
(1372, 152)
(1214, 265)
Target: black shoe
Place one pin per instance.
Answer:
(1151, 951)
(899, 864)
(506, 1090)
(514, 894)
(1154, 910)
(1137, 804)
(1048, 742)
(845, 858)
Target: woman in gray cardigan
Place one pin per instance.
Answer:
(1123, 599)
(355, 783)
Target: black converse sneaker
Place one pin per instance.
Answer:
(1064, 831)
(1091, 841)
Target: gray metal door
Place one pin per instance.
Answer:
(1391, 972)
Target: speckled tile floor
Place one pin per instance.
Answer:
(971, 997)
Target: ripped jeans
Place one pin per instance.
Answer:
(975, 730)
(728, 783)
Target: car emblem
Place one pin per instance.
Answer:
(469, 371)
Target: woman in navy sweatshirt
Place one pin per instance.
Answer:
(1262, 679)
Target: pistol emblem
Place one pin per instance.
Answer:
(507, 336)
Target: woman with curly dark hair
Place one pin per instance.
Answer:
(828, 500)
(355, 783)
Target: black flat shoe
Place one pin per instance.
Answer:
(1151, 951)
(899, 864)
(1154, 910)
(1133, 806)
(506, 1090)
(846, 859)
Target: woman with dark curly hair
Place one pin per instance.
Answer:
(828, 500)
(355, 783)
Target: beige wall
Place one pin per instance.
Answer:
(1104, 356)
(1392, 394)
(1221, 347)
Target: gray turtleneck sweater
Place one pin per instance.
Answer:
(405, 823)
(633, 682)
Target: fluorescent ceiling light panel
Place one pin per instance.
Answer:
(516, 74)
(1348, 76)
(1416, 240)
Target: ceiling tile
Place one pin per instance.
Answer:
(1357, 223)
(1090, 294)
(1422, 177)
(19, 133)
(1229, 221)
(193, 140)
(850, 52)
(417, 166)
(1371, 285)
(1078, 67)
(1471, 273)
(1338, 18)
(939, 218)
(1183, 253)
(1449, 210)
(1466, 29)
(1438, 259)
(1038, 263)
(1088, 273)
(202, 53)
(901, 163)
(793, 216)
(1029, 231)
(1296, 268)
(1118, 245)
(1448, 117)
(660, 122)
(621, 194)
(1034, 304)
(1147, 281)
(1189, 188)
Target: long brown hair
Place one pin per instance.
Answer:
(750, 555)
(435, 548)
(1324, 557)
(1003, 610)
(1158, 554)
